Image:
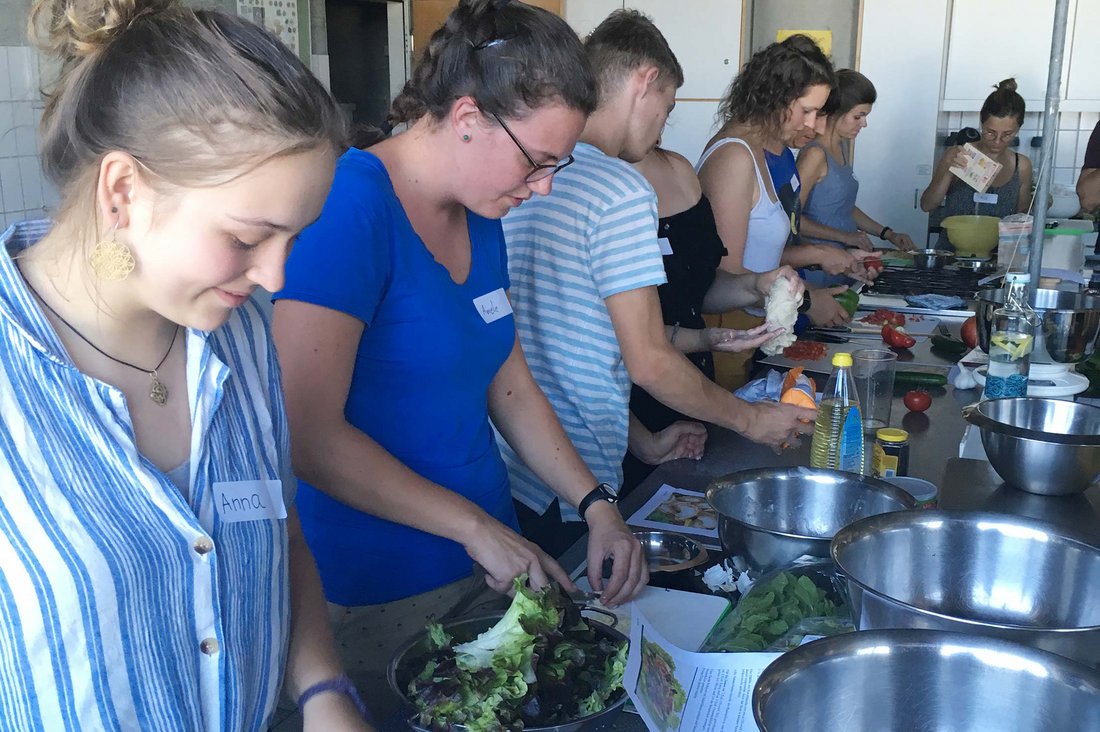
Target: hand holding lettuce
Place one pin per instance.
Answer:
(540, 664)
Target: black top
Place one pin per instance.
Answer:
(697, 250)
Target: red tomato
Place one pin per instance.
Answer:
(917, 401)
(969, 331)
(872, 263)
(896, 337)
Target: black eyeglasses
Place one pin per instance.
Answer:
(538, 171)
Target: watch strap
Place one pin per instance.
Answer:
(601, 492)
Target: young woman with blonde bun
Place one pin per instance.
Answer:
(153, 573)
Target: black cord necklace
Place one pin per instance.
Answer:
(158, 392)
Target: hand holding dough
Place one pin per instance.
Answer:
(780, 311)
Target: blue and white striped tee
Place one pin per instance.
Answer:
(123, 606)
(594, 236)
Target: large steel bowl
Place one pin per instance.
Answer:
(1070, 323)
(987, 573)
(932, 259)
(772, 516)
(924, 681)
(1045, 446)
(409, 661)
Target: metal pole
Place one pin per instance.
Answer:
(1046, 154)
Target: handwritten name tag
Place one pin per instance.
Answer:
(665, 245)
(985, 197)
(249, 500)
(493, 306)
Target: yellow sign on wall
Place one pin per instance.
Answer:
(823, 38)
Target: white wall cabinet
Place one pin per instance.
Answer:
(991, 40)
(706, 40)
(1082, 87)
(584, 15)
(894, 155)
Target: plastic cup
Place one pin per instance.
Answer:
(873, 373)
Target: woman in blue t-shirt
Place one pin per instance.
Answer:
(398, 344)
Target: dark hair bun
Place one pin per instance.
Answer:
(1007, 85)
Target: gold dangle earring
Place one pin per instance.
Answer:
(110, 259)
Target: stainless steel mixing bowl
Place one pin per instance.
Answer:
(924, 681)
(1045, 446)
(986, 573)
(932, 258)
(772, 516)
(1070, 323)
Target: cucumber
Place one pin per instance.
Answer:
(919, 378)
(950, 345)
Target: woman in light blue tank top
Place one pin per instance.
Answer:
(829, 186)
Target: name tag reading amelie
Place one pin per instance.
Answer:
(249, 500)
(493, 305)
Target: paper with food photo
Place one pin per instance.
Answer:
(676, 509)
(675, 690)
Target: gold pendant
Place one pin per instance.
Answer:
(159, 392)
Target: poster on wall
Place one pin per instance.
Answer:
(278, 16)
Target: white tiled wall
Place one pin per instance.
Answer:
(1074, 129)
(24, 193)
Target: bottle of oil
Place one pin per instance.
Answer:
(838, 431)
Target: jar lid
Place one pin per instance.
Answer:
(892, 434)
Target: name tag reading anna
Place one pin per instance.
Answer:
(493, 306)
(249, 500)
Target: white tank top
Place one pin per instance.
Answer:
(769, 225)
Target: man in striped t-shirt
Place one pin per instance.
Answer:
(585, 263)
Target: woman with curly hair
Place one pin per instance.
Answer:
(777, 96)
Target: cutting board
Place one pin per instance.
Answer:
(915, 328)
(919, 355)
(684, 618)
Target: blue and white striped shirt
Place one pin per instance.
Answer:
(123, 605)
(594, 236)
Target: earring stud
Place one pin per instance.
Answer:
(465, 138)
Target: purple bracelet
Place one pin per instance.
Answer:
(341, 685)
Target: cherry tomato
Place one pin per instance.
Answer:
(917, 401)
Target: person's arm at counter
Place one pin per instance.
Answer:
(680, 439)
(728, 340)
(1088, 185)
(728, 179)
(873, 228)
(312, 656)
(317, 348)
(524, 417)
(660, 369)
(942, 177)
(1088, 189)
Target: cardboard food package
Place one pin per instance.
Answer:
(980, 169)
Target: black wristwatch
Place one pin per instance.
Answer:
(602, 492)
(805, 305)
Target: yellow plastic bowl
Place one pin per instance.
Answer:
(972, 236)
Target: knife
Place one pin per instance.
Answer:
(823, 337)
